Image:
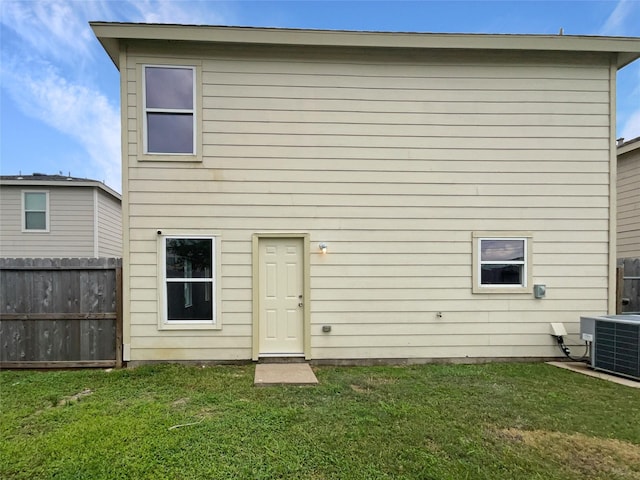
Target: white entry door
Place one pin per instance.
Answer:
(281, 315)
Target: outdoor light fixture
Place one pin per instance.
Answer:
(323, 247)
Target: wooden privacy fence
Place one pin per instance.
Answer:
(628, 290)
(60, 312)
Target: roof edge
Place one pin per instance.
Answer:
(27, 182)
(629, 146)
(110, 33)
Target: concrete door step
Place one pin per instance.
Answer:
(284, 374)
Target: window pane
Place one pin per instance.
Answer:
(502, 250)
(35, 201)
(170, 132)
(35, 221)
(189, 301)
(169, 87)
(502, 274)
(189, 258)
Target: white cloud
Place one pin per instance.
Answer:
(615, 23)
(629, 105)
(168, 11)
(52, 28)
(44, 72)
(80, 112)
(624, 21)
(51, 61)
(631, 127)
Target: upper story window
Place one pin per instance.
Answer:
(35, 216)
(169, 110)
(502, 263)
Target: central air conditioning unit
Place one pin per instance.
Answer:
(615, 343)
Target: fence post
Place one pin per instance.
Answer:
(619, 288)
(119, 320)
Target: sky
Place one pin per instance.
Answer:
(59, 91)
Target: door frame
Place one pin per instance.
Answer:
(306, 289)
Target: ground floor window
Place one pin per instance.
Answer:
(501, 262)
(189, 280)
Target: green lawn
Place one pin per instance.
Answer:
(495, 421)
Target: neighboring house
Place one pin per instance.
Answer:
(629, 199)
(350, 196)
(58, 216)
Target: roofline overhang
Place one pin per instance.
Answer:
(110, 34)
(57, 183)
(629, 146)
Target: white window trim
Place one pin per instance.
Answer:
(526, 286)
(216, 322)
(23, 212)
(193, 111)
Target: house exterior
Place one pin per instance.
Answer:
(58, 216)
(628, 187)
(354, 196)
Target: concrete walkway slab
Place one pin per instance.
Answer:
(284, 374)
(584, 369)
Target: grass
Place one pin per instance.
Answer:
(494, 421)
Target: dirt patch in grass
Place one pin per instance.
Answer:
(181, 402)
(57, 402)
(591, 456)
(380, 380)
(75, 398)
(360, 389)
(370, 383)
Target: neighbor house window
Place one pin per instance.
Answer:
(169, 110)
(35, 217)
(189, 280)
(502, 263)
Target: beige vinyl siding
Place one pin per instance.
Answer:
(71, 224)
(109, 226)
(393, 161)
(629, 204)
